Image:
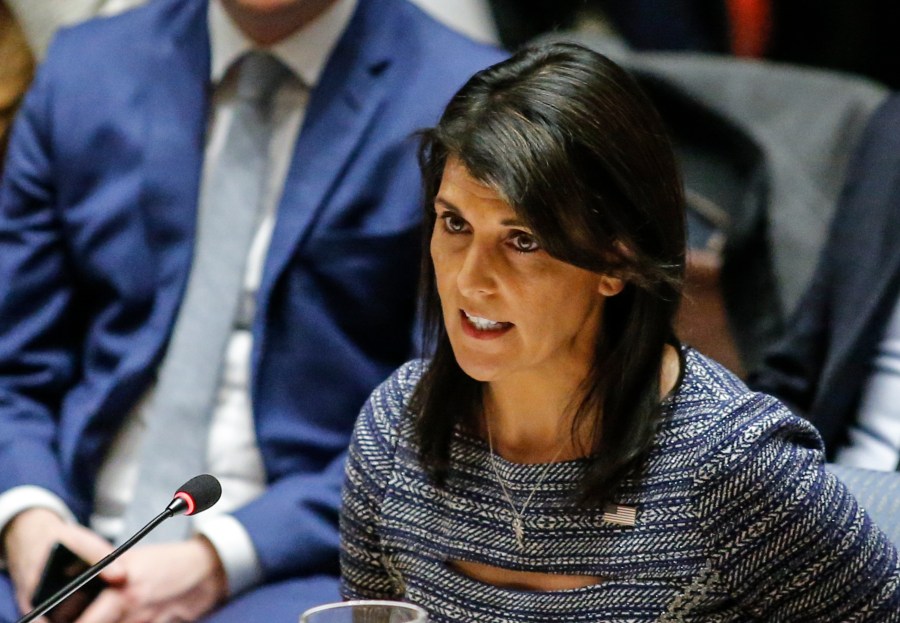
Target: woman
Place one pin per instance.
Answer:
(561, 457)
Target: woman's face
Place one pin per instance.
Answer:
(511, 310)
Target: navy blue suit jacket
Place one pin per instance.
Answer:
(821, 365)
(97, 218)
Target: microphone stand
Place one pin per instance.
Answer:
(91, 572)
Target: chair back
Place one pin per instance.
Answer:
(767, 145)
(877, 492)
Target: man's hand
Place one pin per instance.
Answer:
(163, 583)
(27, 541)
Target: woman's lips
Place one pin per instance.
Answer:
(483, 328)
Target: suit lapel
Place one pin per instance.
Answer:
(177, 102)
(341, 108)
(171, 65)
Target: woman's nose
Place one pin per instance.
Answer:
(477, 274)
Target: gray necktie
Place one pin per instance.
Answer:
(178, 415)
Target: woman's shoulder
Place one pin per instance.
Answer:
(771, 517)
(733, 443)
(387, 415)
(404, 379)
(716, 409)
(705, 380)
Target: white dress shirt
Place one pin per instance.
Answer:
(40, 19)
(233, 455)
(874, 439)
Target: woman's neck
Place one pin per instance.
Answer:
(530, 420)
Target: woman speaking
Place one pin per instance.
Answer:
(561, 457)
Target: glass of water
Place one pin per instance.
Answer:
(365, 611)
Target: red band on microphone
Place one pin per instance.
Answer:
(187, 500)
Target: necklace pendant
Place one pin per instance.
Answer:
(519, 531)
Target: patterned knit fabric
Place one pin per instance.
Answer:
(736, 521)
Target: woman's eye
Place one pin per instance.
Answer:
(525, 243)
(453, 223)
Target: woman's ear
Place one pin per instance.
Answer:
(610, 286)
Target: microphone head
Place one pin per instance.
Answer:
(199, 493)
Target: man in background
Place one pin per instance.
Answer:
(839, 361)
(40, 19)
(209, 222)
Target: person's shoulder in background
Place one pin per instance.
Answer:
(16, 72)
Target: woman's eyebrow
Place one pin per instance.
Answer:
(514, 222)
(446, 204)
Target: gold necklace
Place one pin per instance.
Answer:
(518, 526)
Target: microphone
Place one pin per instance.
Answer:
(195, 496)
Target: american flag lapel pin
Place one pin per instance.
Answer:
(620, 514)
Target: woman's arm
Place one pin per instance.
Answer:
(785, 537)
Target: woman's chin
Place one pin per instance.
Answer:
(479, 368)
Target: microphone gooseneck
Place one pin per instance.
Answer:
(194, 496)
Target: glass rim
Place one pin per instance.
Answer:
(366, 602)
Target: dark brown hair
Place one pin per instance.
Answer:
(571, 142)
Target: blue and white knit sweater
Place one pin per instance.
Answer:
(737, 520)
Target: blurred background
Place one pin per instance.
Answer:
(765, 100)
